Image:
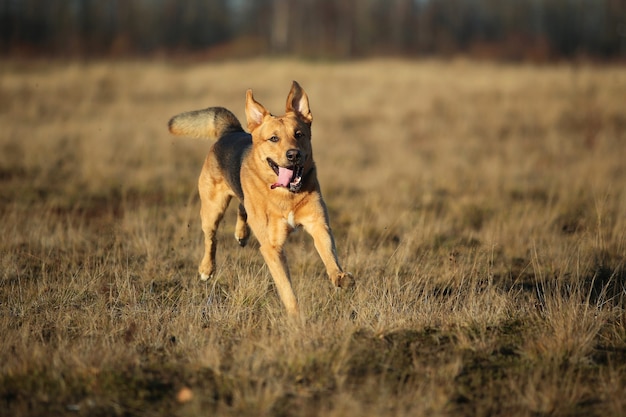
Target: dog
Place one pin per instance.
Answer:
(272, 172)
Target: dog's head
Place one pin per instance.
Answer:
(282, 143)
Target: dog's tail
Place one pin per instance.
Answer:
(211, 123)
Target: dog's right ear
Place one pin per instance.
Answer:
(255, 112)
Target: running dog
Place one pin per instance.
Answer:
(272, 173)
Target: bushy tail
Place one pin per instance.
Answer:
(210, 123)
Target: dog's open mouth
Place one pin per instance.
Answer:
(290, 178)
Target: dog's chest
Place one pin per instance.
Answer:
(291, 220)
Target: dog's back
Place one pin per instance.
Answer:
(230, 150)
(222, 125)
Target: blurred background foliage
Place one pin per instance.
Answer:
(512, 30)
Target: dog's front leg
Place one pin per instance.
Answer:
(277, 263)
(317, 226)
(272, 237)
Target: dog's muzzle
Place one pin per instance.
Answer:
(288, 177)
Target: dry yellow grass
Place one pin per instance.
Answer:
(481, 207)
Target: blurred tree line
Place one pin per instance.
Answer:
(501, 29)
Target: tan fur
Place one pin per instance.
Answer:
(272, 213)
(207, 123)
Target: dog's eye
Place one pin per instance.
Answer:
(298, 134)
(273, 139)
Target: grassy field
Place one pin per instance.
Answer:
(481, 207)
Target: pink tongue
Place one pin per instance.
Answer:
(284, 177)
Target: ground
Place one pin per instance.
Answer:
(480, 207)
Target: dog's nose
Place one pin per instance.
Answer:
(294, 155)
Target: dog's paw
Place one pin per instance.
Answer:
(205, 276)
(242, 233)
(345, 280)
(242, 240)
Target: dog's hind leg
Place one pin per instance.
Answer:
(213, 203)
(242, 231)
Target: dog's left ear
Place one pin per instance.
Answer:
(298, 102)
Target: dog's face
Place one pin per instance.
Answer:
(282, 143)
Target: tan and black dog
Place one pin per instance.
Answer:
(272, 173)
